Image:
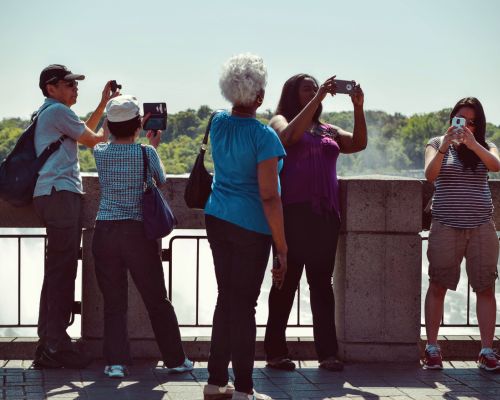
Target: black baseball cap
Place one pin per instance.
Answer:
(57, 72)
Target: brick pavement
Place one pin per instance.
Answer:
(147, 381)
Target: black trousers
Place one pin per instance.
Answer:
(240, 259)
(60, 213)
(312, 242)
(119, 246)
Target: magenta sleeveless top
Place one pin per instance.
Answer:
(309, 172)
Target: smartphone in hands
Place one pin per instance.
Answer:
(458, 123)
(158, 116)
(344, 87)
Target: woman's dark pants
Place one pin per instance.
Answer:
(119, 246)
(240, 259)
(312, 242)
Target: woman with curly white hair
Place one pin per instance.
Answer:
(243, 217)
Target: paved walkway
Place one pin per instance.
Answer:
(459, 380)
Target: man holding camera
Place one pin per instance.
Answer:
(57, 201)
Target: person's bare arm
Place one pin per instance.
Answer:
(267, 173)
(95, 117)
(290, 132)
(358, 139)
(90, 138)
(488, 156)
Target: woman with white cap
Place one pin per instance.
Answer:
(120, 244)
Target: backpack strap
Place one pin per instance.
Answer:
(51, 148)
(54, 146)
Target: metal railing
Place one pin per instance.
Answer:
(167, 256)
(76, 309)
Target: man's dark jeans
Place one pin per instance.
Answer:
(60, 213)
(312, 241)
(119, 246)
(240, 259)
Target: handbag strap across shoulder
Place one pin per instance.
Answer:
(203, 147)
(145, 166)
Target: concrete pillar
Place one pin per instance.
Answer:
(377, 275)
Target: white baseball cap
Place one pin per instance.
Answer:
(122, 108)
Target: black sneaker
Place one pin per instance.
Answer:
(42, 362)
(281, 363)
(67, 358)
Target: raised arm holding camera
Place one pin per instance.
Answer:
(311, 209)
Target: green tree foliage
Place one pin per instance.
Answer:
(396, 142)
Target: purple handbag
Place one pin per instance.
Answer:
(159, 220)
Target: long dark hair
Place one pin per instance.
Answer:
(289, 105)
(468, 158)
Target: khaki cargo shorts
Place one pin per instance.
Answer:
(447, 248)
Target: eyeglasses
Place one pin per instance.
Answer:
(69, 84)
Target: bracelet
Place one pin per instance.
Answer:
(439, 151)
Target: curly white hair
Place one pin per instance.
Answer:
(243, 77)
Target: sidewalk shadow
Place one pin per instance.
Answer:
(145, 381)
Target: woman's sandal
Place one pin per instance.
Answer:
(283, 364)
(332, 364)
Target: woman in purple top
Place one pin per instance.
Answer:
(310, 196)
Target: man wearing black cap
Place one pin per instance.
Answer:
(57, 200)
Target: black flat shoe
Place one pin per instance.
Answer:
(283, 364)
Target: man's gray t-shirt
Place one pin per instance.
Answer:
(62, 170)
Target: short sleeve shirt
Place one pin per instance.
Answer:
(120, 168)
(462, 197)
(62, 169)
(238, 146)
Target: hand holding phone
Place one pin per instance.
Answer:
(158, 116)
(458, 123)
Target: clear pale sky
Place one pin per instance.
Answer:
(409, 56)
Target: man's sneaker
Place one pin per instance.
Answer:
(433, 359)
(214, 392)
(116, 371)
(488, 360)
(67, 358)
(253, 396)
(42, 362)
(186, 366)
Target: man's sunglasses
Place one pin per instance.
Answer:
(69, 84)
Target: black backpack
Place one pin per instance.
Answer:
(19, 170)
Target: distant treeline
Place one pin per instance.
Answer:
(395, 146)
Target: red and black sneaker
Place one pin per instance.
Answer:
(488, 360)
(433, 359)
